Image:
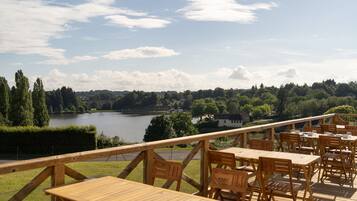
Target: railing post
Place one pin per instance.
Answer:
(309, 123)
(322, 121)
(243, 140)
(272, 134)
(148, 166)
(57, 178)
(204, 167)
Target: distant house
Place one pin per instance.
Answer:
(231, 120)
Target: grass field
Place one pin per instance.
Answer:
(12, 183)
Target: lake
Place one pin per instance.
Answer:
(130, 128)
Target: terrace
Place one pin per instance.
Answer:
(196, 172)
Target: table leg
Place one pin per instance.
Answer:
(307, 174)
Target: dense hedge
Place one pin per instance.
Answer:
(34, 140)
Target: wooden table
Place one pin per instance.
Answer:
(303, 161)
(115, 189)
(315, 136)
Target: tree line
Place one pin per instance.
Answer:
(19, 106)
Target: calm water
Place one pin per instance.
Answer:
(131, 128)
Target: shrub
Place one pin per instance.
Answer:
(343, 109)
(35, 140)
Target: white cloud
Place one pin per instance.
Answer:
(121, 80)
(140, 52)
(65, 61)
(28, 26)
(288, 73)
(145, 22)
(240, 73)
(223, 10)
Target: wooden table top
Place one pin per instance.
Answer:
(316, 136)
(115, 189)
(253, 154)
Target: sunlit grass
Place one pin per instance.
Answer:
(12, 183)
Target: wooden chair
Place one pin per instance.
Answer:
(333, 157)
(274, 186)
(228, 161)
(310, 129)
(221, 160)
(266, 145)
(229, 185)
(294, 144)
(339, 121)
(328, 128)
(172, 171)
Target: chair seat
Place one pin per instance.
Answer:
(230, 196)
(283, 186)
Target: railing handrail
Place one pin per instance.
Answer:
(87, 155)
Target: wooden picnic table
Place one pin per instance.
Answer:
(302, 161)
(115, 189)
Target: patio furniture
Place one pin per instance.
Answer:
(334, 157)
(293, 143)
(331, 128)
(171, 171)
(275, 186)
(261, 145)
(115, 189)
(229, 185)
(302, 161)
(226, 161)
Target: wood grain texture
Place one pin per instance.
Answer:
(115, 189)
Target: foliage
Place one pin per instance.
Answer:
(344, 109)
(104, 141)
(160, 128)
(182, 124)
(35, 140)
(41, 117)
(261, 111)
(63, 100)
(198, 108)
(4, 100)
(21, 113)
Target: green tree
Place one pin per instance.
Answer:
(160, 128)
(4, 100)
(344, 109)
(282, 100)
(182, 124)
(233, 107)
(198, 108)
(247, 108)
(41, 117)
(211, 108)
(21, 110)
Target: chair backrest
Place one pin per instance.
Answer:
(231, 180)
(327, 143)
(168, 170)
(270, 166)
(266, 145)
(339, 121)
(221, 160)
(328, 128)
(310, 129)
(291, 140)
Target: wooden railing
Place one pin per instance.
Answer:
(56, 166)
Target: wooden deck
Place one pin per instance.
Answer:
(327, 191)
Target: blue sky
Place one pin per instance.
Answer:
(178, 44)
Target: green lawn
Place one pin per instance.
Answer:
(11, 183)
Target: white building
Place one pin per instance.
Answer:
(231, 120)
